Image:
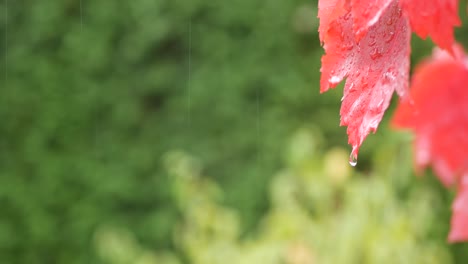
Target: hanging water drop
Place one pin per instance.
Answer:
(352, 159)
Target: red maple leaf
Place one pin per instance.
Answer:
(375, 66)
(438, 115)
(368, 43)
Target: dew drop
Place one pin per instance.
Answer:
(366, 12)
(372, 40)
(398, 12)
(348, 46)
(380, 103)
(347, 16)
(389, 76)
(352, 159)
(353, 156)
(390, 21)
(334, 80)
(375, 54)
(389, 36)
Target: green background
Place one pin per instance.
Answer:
(147, 131)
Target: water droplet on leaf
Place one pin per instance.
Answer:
(334, 80)
(353, 156)
(390, 21)
(372, 40)
(389, 36)
(352, 159)
(342, 36)
(375, 54)
(389, 76)
(348, 46)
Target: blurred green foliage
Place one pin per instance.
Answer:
(321, 212)
(96, 93)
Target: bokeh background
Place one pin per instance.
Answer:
(193, 131)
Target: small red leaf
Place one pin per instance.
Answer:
(435, 18)
(375, 66)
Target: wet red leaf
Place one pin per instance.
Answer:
(374, 67)
(367, 42)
